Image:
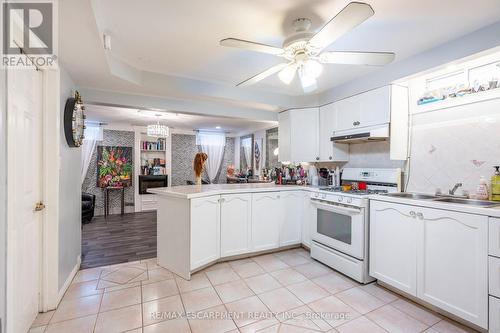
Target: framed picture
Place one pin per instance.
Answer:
(114, 166)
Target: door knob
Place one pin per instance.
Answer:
(39, 206)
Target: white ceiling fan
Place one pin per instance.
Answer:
(304, 49)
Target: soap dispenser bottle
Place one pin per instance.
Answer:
(482, 189)
(495, 185)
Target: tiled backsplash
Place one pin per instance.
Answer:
(453, 145)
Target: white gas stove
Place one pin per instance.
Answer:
(341, 223)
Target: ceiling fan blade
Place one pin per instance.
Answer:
(347, 19)
(252, 46)
(357, 58)
(263, 75)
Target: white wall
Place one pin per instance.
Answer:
(452, 145)
(475, 42)
(69, 193)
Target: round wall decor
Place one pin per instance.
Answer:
(74, 121)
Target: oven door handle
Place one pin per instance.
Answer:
(337, 209)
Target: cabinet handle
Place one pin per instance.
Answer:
(420, 216)
(413, 214)
(330, 158)
(278, 196)
(356, 123)
(317, 158)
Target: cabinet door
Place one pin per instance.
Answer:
(235, 223)
(292, 203)
(348, 113)
(329, 151)
(375, 107)
(494, 326)
(304, 135)
(205, 230)
(452, 263)
(284, 133)
(393, 245)
(309, 217)
(266, 216)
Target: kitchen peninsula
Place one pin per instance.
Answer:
(200, 225)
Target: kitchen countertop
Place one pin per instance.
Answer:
(492, 211)
(197, 191)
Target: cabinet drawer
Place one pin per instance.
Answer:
(494, 241)
(494, 278)
(494, 325)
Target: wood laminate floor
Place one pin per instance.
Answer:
(118, 239)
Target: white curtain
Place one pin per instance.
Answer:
(247, 150)
(93, 134)
(212, 143)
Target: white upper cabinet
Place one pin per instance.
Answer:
(284, 137)
(329, 151)
(370, 108)
(304, 134)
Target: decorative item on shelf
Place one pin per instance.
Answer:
(74, 121)
(158, 129)
(158, 145)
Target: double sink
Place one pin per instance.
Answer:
(448, 199)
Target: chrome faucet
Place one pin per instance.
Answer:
(455, 188)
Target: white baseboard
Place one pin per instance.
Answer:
(69, 279)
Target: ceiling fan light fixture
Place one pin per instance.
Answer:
(312, 68)
(307, 81)
(287, 74)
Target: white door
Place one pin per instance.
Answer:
(292, 203)
(266, 216)
(235, 224)
(205, 230)
(24, 158)
(304, 142)
(393, 245)
(452, 263)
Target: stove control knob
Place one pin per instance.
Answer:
(340, 199)
(323, 196)
(349, 200)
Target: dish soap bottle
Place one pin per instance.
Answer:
(482, 189)
(495, 185)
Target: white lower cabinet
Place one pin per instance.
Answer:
(494, 326)
(452, 263)
(436, 255)
(308, 217)
(266, 217)
(205, 231)
(292, 203)
(235, 224)
(494, 241)
(393, 246)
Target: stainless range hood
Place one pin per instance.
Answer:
(362, 135)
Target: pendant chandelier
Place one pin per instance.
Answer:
(158, 130)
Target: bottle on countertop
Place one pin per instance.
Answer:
(495, 185)
(482, 192)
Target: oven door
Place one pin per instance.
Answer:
(340, 228)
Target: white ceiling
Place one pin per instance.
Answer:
(175, 120)
(180, 39)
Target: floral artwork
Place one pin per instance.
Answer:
(114, 166)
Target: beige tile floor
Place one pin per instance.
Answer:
(281, 292)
